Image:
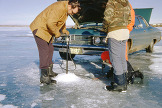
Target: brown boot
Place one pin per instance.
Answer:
(51, 73)
(45, 77)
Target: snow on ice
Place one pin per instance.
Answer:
(2, 97)
(67, 78)
(156, 67)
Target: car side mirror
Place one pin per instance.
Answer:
(140, 26)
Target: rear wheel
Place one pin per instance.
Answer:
(63, 55)
(149, 49)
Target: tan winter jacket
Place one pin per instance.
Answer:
(117, 15)
(51, 20)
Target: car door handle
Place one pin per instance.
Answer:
(144, 30)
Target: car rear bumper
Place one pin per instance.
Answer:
(80, 49)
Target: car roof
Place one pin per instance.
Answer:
(144, 12)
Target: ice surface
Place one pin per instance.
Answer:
(156, 67)
(81, 88)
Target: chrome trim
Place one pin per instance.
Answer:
(84, 51)
(80, 46)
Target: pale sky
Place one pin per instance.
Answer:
(23, 12)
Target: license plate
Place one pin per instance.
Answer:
(76, 51)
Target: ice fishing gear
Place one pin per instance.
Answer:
(68, 56)
(67, 52)
(130, 75)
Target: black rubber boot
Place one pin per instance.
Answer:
(45, 77)
(51, 73)
(110, 73)
(119, 84)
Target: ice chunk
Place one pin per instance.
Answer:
(70, 77)
(9, 106)
(2, 97)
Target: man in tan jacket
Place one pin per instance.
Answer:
(47, 24)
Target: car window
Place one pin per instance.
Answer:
(137, 23)
(142, 22)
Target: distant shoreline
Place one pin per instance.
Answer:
(154, 25)
(68, 26)
(14, 25)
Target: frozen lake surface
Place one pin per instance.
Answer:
(81, 88)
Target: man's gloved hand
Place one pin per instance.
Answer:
(66, 32)
(58, 35)
(102, 30)
(106, 39)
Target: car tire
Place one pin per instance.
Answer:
(63, 55)
(149, 49)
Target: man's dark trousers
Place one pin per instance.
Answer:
(45, 50)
